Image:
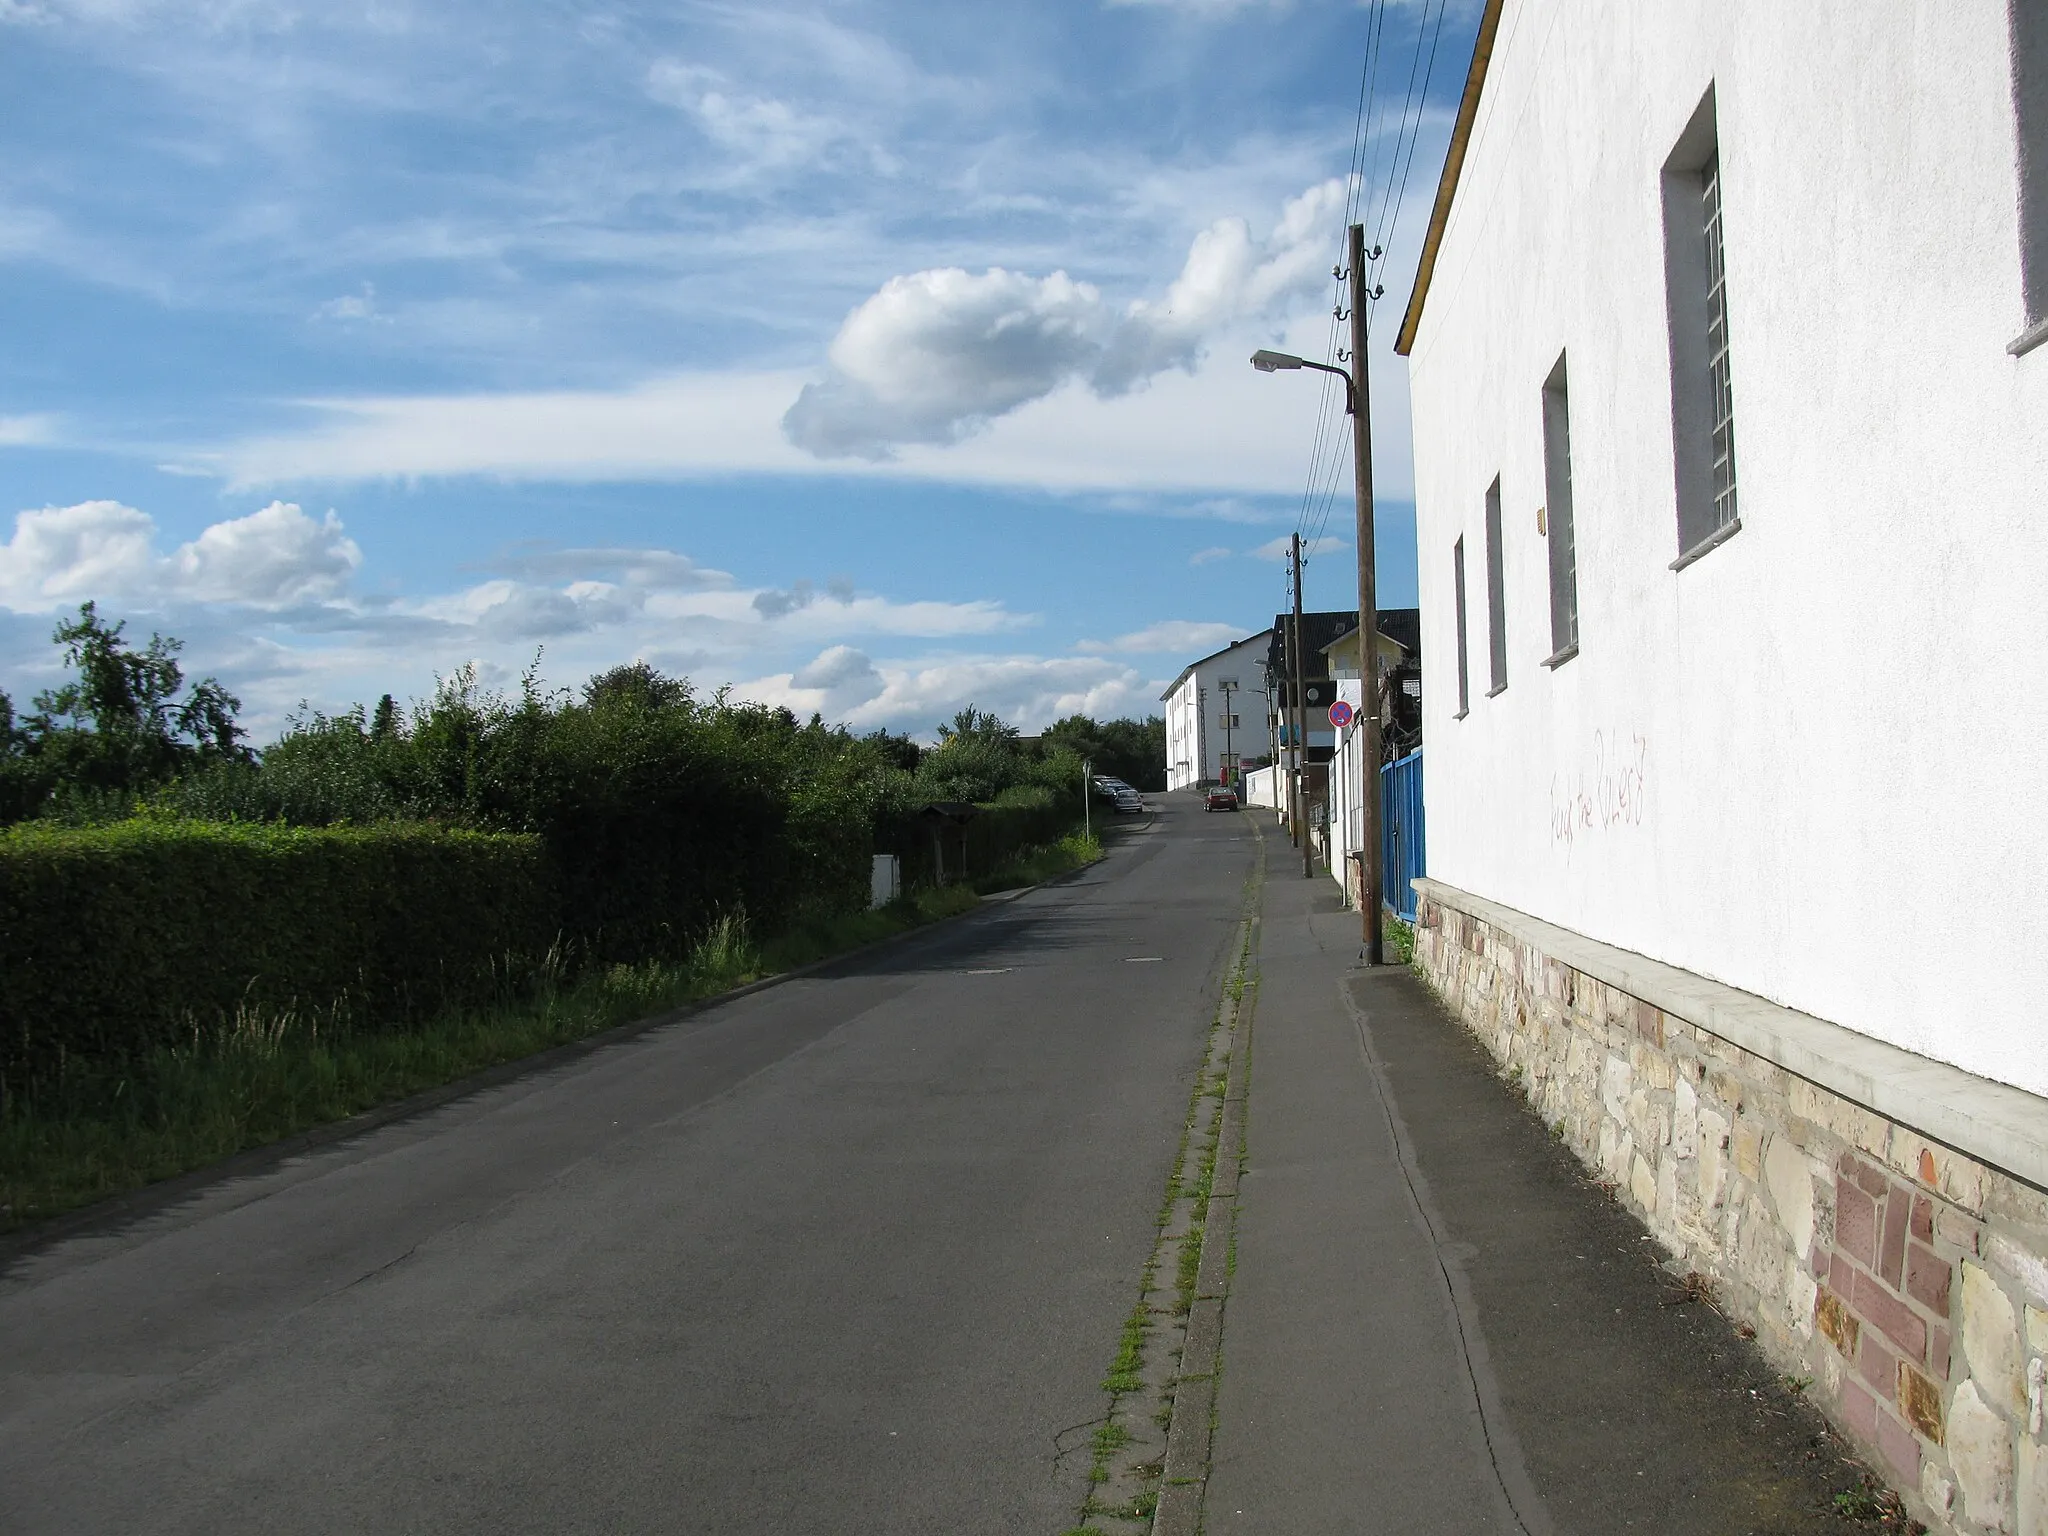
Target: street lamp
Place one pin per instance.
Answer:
(1358, 404)
(1273, 362)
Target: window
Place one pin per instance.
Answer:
(1696, 296)
(1458, 587)
(2029, 19)
(1496, 593)
(1557, 490)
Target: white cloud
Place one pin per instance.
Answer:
(1222, 429)
(266, 603)
(1171, 636)
(103, 549)
(934, 355)
(1228, 276)
(1276, 549)
(27, 431)
(1210, 555)
(273, 556)
(1028, 691)
(1204, 7)
(844, 675)
(361, 305)
(764, 131)
(654, 570)
(681, 423)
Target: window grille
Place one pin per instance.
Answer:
(1722, 400)
(2029, 23)
(1496, 592)
(1458, 587)
(1560, 523)
(1696, 293)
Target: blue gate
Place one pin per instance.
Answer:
(1401, 856)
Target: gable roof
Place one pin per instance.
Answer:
(1447, 183)
(1174, 686)
(1317, 630)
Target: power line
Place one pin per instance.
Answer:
(1415, 137)
(1354, 182)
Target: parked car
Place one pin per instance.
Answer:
(1220, 798)
(1127, 801)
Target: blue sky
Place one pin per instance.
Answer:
(872, 358)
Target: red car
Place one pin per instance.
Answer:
(1221, 798)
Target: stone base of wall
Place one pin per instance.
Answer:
(1906, 1280)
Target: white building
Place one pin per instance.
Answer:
(1342, 830)
(1731, 452)
(1216, 713)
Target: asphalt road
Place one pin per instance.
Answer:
(841, 1256)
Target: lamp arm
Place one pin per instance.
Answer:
(1350, 390)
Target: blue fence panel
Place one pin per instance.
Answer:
(1401, 841)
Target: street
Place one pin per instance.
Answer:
(843, 1255)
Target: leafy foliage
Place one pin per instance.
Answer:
(117, 728)
(115, 939)
(386, 859)
(1131, 750)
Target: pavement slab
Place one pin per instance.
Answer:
(1440, 1321)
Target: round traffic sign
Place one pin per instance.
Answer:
(1340, 714)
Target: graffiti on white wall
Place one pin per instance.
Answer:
(1610, 793)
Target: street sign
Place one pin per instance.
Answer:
(1340, 714)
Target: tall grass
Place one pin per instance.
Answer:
(1035, 864)
(264, 1074)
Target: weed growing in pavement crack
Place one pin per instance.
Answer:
(1130, 1354)
(1184, 1207)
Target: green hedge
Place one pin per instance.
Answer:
(117, 938)
(1000, 832)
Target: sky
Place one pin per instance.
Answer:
(873, 358)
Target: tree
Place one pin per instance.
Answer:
(899, 751)
(972, 724)
(1131, 750)
(119, 725)
(637, 684)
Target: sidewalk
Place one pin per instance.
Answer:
(1438, 1322)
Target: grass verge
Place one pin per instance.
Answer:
(266, 1075)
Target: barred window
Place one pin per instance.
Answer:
(1496, 593)
(1722, 400)
(1696, 294)
(2029, 22)
(1458, 592)
(1560, 523)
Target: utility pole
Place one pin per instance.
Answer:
(1227, 686)
(1370, 896)
(1308, 858)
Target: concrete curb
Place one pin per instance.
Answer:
(135, 1205)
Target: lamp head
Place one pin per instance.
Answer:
(1266, 362)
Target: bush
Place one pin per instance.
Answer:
(117, 939)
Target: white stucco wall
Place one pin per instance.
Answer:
(1814, 764)
(1194, 713)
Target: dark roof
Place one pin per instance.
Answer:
(1319, 631)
